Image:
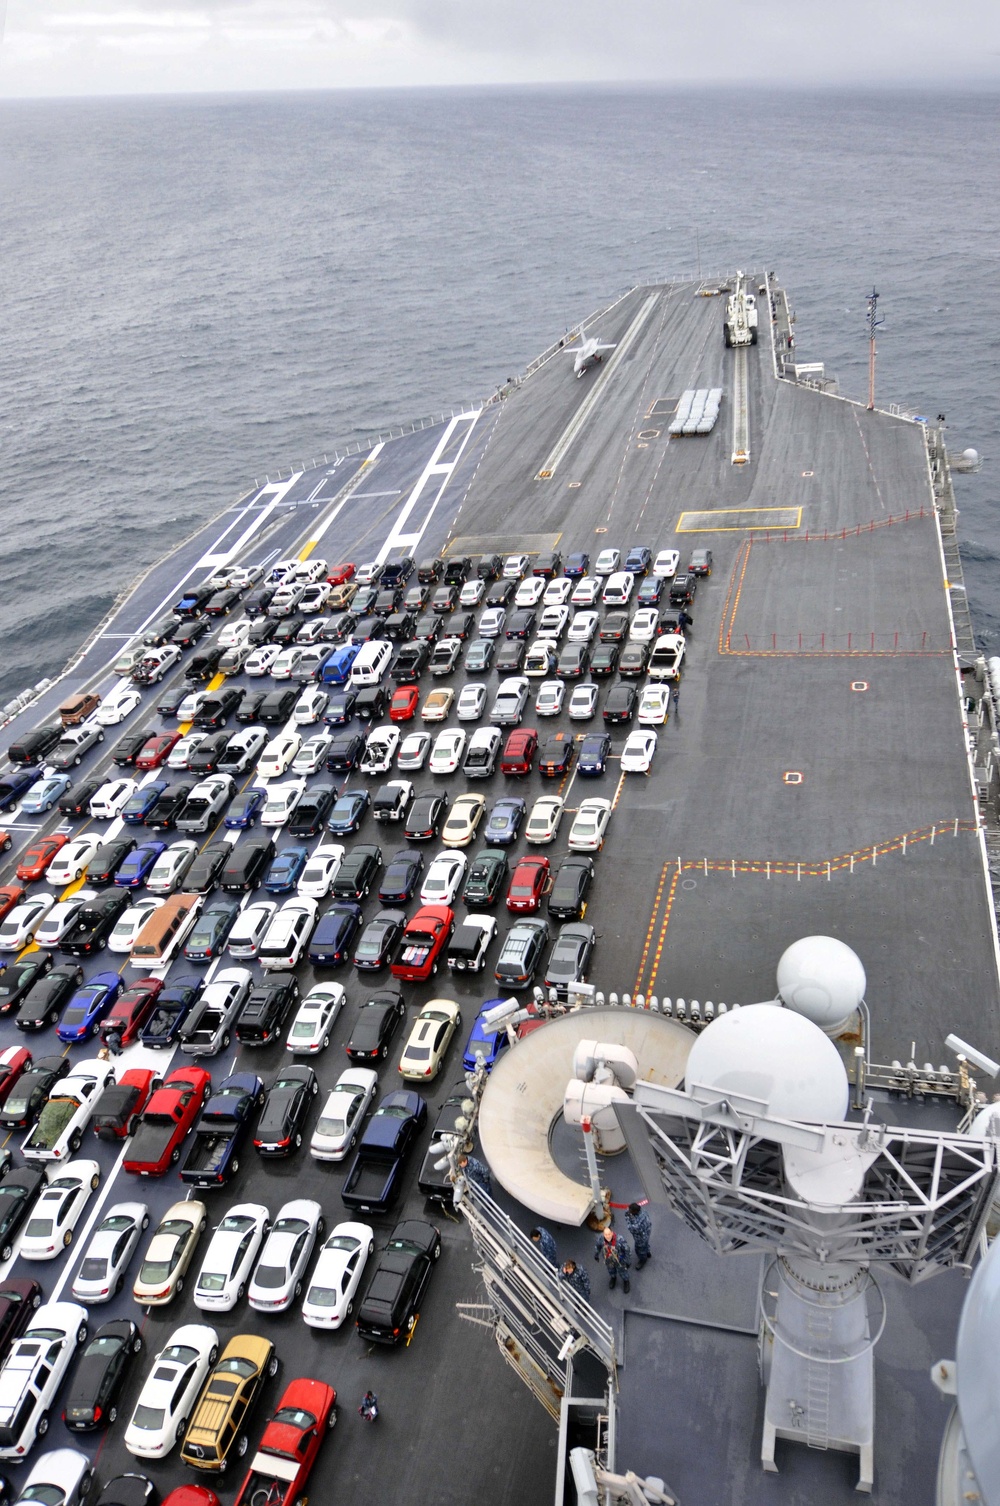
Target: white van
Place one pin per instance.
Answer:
(618, 589)
(371, 663)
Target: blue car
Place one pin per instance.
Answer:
(137, 867)
(505, 822)
(638, 559)
(576, 565)
(172, 1008)
(650, 591)
(349, 812)
(138, 806)
(44, 793)
(286, 870)
(332, 941)
(88, 1007)
(594, 752)
(245, 809)
(340, 708)
(488, 1046)
(14, 785)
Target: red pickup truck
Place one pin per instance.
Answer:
(290, 1444)
(168, 1116)
(423, 942)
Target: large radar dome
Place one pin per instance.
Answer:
(822, 979)
(765, 1052)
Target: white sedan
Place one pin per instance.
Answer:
(342, 1260)
(653, 706)
(170, 867)
(101, 1275)
(583, 702)
(58, 1131)
(250, 928)
(119, 704)
(260, 661)
(543, 822)
(589, 825)
(281, 802)
(666, 562)
(166, 1400)
(20, 925)
(128, 925)
(341, 1117)
(321, 869)
(550, 697)
(180, 753)
(286, 663)
(558, 591)
(61, 918)
(278, 755)
(229, 1259)
(379, 750)
(277, 1280)
(583, 627)
(191, 705)
(471, 702)
(645, 625)
(472, 593)
(316, 1017)
(312, 755)
(70, 862)
(234, 633)
(310, 706)
(637, 754)
(63, 1476)
(444, 878)
(530, 591)
(448, 750)
(108, 801)
(586, 591)
(57, 1212)
(413, 751)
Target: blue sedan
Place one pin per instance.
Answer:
(286, 870)
(332, 940)
(245, 809)
(88, 1007)
(349, 812)
(137, 867)
(488, 1046)
(340, 708)
(505, 822)
(138, 806)
(594, 752)
(44, 793)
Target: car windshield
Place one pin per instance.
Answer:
(47, 1495)
(294, 1417)
(237, 1366)
(323, 1296)
(290, 1226)
(210, 1281)
(104, 1344)
(236, 1223)
(395, 1111)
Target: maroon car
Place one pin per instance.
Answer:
(131, 1010)
(13, 1062)
(19, 1296)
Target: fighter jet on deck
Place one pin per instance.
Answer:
(587, 354)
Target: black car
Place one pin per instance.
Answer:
(700, 562)
(101, 1373)
(26, 1097)
(18, 977)
(249, 708)
(429, 570)
(548, 564)
(410, 662)
(521, 624)
(510, 659)
(309, 816)
(621, 703)
(279, 1129)
(569, 959)
(193, 601)
(173, 1005)
(391, 1305)
(130, 746)
(33, 746)
(614, 628)
(205, 665)
(461, 625)
(573, 661)
(357, 873)
(76, 801)
(257, 603)
(367, 628)
(345, 751)
(48, 997)
(457, 569)
(108, 858)
(348, 812)
(378, 1020)
(426, 816)
(169, 700)
(371, 702)
(378, 941)
(188, 633)
(489, 566)
(364, 600)
(207, 867)
(428, 628)
(595, 750)
(278, 705)
(19, 1296)
(387, 601)
(445, 599)
(222, 602)
(635, 657)
(486, 879)
(604, 660)
(205, 758)
(556, 755)
(288, 629)
(433, 1180)
(18, 1192)
(264, 1012)
(340, 707)
(400, 879)
(682, 590)
(337, 628)
(95, 922)
(398, 627)
(247, 863)
(331, 941)
(208, 935)
(500, 593)
(570, 887)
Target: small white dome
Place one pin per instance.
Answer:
(822, 979)
(765, 1052)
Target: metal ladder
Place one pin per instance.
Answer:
(819, 1326)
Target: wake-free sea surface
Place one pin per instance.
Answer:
(198, 291)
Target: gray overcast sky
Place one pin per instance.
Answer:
(136, 46)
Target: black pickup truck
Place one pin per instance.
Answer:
(221, 1129)
(373, 1181)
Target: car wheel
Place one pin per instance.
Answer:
(331, 1421)
(354, 1141)
(67, 1239)
(411, 1322)
(298, 1290)
(181, 1430)
(95, 1181)
(43, 1425)
(213, 1353)
(119, 1284)
(36, 1300)
(137, 1344)
(241, 1291)
(225, 1042)
(75, 1141)
(326, 1042)
(243, 1444)
(81, 1333)
(298, 1138)
(436, 1252)
(85, 1484)
(112, 1415)
(179, 1287)
(100, 737)
(77, 758)
(320, 1228)
(6, 844)
(385, 1052)
(458, 1022)
(272, 1366)
(175, 1155)
(315, 1087)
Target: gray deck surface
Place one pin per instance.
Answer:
(685, 903)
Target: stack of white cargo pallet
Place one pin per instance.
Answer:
(697, 411)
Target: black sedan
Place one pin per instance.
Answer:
(399, 882)
(249, 707)
(389, 1309)
(18, 977)
(19, 1296)
(279, 1129)
(556, 755)
(570, 887)
(100, 1376)
(95, 922)
(378, 941)
(18, 1192)
(378, 1020)
(207, 867)
(486, 879)
(426, 816)
(247, 863)
(340, 708)
(620, 704)
(129, 747)
(48, 997)
(210, 930)
(108, 858)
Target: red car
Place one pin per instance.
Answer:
(39, 855)
(118, 1112)
(340, 574)
(291, 1441)
(132, 1009)
(157, 750)
(423, 942)
(530, 880)
(169, 1115)
(403, 706)
(5, 841)
(10, 895)
(13, 1062)
(191, 1495)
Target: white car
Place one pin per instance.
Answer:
(413, 751)
(101, 1274)
(310, 571)
(281, 802)
(530, 591)
(128, 925)
(118, 705)
(491, 622)
(58, 1131)
(472, 593)
(316, 1017)
(191, 705)
(544, 819)
(287, 937)
(314, 596)
(282, 570)
(366, 573)
(286, 663)
(654, 706)
(471, 702)
(70, 862)
(170, 867)
(321, 869)
(330, 1296)
(19, 927)
(645, 625)
(58, 1210)
(618, 589)
(589, 825)
(583, 627)
(260, 661)
(277, 1280)
(342, 1115)
(637, 754)
(167, 1398)
(515, 565)
(311, 757)
(586, 591)
(583, 702)
(443, 878)
(61, 918)
(666, 562)
(310, 706)
(181, 752)
(230, 1257)
(278, 755)
(449, 747)
(540, 660)
(554, 620)
(234, 633)
(558, 591)
(250, 928)
(608, 562)
(380, 749)
(107, 803)
(550, 697)
(63, 1475)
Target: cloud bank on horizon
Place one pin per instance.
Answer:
(60, 47)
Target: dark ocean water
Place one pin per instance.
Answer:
(197, 291)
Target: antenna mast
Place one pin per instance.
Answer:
(873, 324)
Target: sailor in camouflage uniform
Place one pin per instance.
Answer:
(640, 1228)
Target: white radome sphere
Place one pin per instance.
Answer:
(822, 979)
(765, 1052)
(971, 457)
